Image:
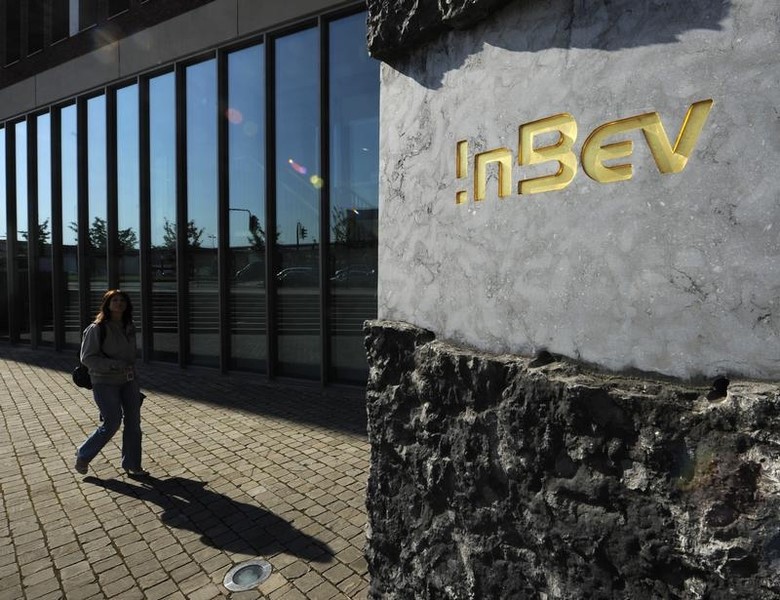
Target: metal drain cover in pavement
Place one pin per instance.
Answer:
(247, 575)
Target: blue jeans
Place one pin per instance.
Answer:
(115, 403)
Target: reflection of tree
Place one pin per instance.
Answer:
(340, 225)
(193, 234)
(98, 236)
(257, 234)
(127, 240)
(42, 236)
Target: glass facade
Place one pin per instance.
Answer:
(96, 235)
(4, 296)
(41, 247)
(20, 270)
(128, 194)
(68, 290)
(162, 193)
(246, 218)
(234, 198)
(298, 184)
(202, 212)
(353, 108)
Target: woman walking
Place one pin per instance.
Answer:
(108, 350)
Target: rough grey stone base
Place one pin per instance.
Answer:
(395, 27)
(495, 478)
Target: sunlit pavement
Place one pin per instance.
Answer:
(240, 469)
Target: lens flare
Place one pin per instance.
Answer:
(296, 167)
(317, 181)
(234, 116)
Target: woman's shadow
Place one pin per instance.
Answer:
(220, 521)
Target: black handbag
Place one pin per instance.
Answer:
(80, 374)
(81, 377)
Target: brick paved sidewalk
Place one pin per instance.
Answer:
(240, 469)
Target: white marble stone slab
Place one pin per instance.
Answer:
(670, 273)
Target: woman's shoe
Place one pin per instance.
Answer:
(81, 466)
(139, 472)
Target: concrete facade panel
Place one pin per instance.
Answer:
(15, 99)
(255, 16)
(78, 75)
(677, 273)
(187, 34)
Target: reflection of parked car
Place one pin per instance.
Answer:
(357, 275)
(297, 276)
(254, 272)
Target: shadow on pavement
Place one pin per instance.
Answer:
(222, 522)
(339, 408)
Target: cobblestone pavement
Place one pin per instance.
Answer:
(240, 469)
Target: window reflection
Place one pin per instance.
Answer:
(202, 203)
(298, 184)
(162, 178)
(70, 193)
(246, 213)
(97, 234)
(44, 302)
(3, 244)
(22, 296)
(354, 186)
(128, 198)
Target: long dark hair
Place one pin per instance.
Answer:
(105, 308)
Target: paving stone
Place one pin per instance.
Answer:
(351, 585)
(288, 594)
(324, 591)
(338, 573)
(286, 481)
(207, 592)
(41, 588)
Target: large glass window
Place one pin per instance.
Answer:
(22, 293)
(298, 184)
(97, 238)
(128, 198)
(301, 216)
(354, 188)
(44, 303)
(246, 213)
(3, 243)
(162, 179)
(70, 194)
(202, 204)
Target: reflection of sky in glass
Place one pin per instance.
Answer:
(21, 179)
(69, 174)
(96, 149)
(44, 172)
(162, 154)
(354, 121)
(3, 223)
(127, 159)
(202, 149)
(297, 134)
(246, 142)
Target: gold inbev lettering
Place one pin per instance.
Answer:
(595, 152)
(503, 156)
(673, 160)
(668, 159)
(461, 167)
(566, 127)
